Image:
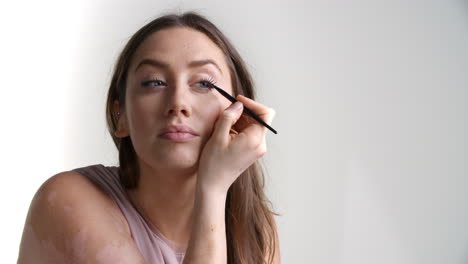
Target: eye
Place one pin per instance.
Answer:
(156, 82)
(207, 83)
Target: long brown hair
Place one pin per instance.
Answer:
(250, 226)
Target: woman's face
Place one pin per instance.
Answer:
(176, 94)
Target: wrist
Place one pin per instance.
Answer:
(209, 184)
(208, 193)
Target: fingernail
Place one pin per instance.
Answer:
(237, 105)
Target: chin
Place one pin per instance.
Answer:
(175, 156)
(181, 164)
(179, 160)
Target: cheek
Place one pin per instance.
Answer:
(211, 111)
(209, 117)
(141, 115)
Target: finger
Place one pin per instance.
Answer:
(257, 108)
(259, 130)
(246, 121)
(251, 141)
(226, 120)
(271, 114)
(254, 133)
(263, 112)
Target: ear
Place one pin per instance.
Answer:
(122, 128)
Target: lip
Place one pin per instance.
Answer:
(178, 133)
(178, 136)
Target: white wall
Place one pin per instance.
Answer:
(370, 164)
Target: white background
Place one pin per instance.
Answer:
(370, 164)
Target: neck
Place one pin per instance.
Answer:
(165, 198)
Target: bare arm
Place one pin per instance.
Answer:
(70, 221)
(208, 239)
(224, 157)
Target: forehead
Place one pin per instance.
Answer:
(179, 45)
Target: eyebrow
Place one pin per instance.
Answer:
(192, 64)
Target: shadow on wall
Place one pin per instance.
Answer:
(103, 37)
(465, 3)
(465, 257)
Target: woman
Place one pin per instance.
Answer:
(189, 187)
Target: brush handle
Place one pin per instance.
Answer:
(246, 110)
(249, 112)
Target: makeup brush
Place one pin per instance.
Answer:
(246, 110)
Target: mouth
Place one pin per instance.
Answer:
(178, 133)
(178, 136)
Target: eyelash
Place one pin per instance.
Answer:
(210, 81)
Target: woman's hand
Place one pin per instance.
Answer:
(229, 151)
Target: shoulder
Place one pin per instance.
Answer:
(76, 194)
(72, 219)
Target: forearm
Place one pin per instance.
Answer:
(208, 238)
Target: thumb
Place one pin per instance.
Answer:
(226, 120)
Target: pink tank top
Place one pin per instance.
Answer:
(154, 247)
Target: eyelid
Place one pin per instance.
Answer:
(149, 81)
(211, 72)
(201, 76)
(201, 69)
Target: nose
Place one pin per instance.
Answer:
(177, 102)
